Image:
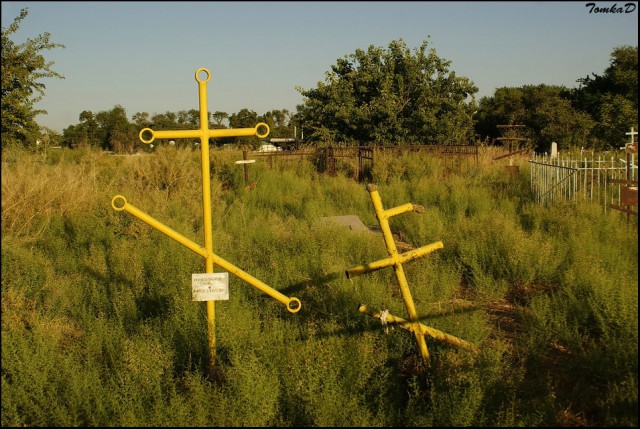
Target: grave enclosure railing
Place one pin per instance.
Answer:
(363, 157)
(595, 179)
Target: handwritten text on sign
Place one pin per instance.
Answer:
(210, 287)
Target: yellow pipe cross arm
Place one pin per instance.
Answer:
(396, 259)
(186, 134)
(119, 203)
(386, 317)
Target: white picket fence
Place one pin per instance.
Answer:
(565, 179)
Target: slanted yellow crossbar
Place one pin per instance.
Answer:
(119, 203)
(395, 260)
(386, 318)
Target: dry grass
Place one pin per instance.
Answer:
(32, 192)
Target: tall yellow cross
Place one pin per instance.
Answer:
(119, 203)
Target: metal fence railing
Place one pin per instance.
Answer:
(588, 178)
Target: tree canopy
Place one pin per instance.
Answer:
(595, 115)
(389, 96)
(544, 110)
(23, 68)
(112, 130)
(612, 98)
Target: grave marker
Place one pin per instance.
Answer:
(209, 289)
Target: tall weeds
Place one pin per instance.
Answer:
(99, 329)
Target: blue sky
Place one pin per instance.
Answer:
(144, 55)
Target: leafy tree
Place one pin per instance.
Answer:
(115, 131)
(124, 140)
(188, 119)
(23, 66)
(194, 117)
(164, 121)
(556, 120)
(612, 99)
(389, 96)
(87, 132)
(184, 120)
(141, 120)
(545, 110)
(89, 126)
(218, 118)
(74, 135)
(245, 118)
(279, 122)
(51, 137)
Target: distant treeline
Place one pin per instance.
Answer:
(379, 96)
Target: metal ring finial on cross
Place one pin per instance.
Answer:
(202, 69)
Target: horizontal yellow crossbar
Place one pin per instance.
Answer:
(399, 259)
(203, 134)
(404, 208)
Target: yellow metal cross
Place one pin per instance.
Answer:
(119, 203)
(395, 260)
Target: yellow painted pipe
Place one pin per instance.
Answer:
(388, 262)
(293, 304)
(176, 134)
(411, 311)
(420, 251)
(402, 281)
(404, 208)
(186, 134)
(405, 324)
(204, 133)
(206, 204)
(120, 203)
(371, 266)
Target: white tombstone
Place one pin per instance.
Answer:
(554, 150)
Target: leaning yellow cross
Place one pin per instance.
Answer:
(395, 260)
(119, 203)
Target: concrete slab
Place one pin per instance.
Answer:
(352, 222)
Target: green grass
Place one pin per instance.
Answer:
(99, 329)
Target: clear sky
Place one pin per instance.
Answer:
(144, 55)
